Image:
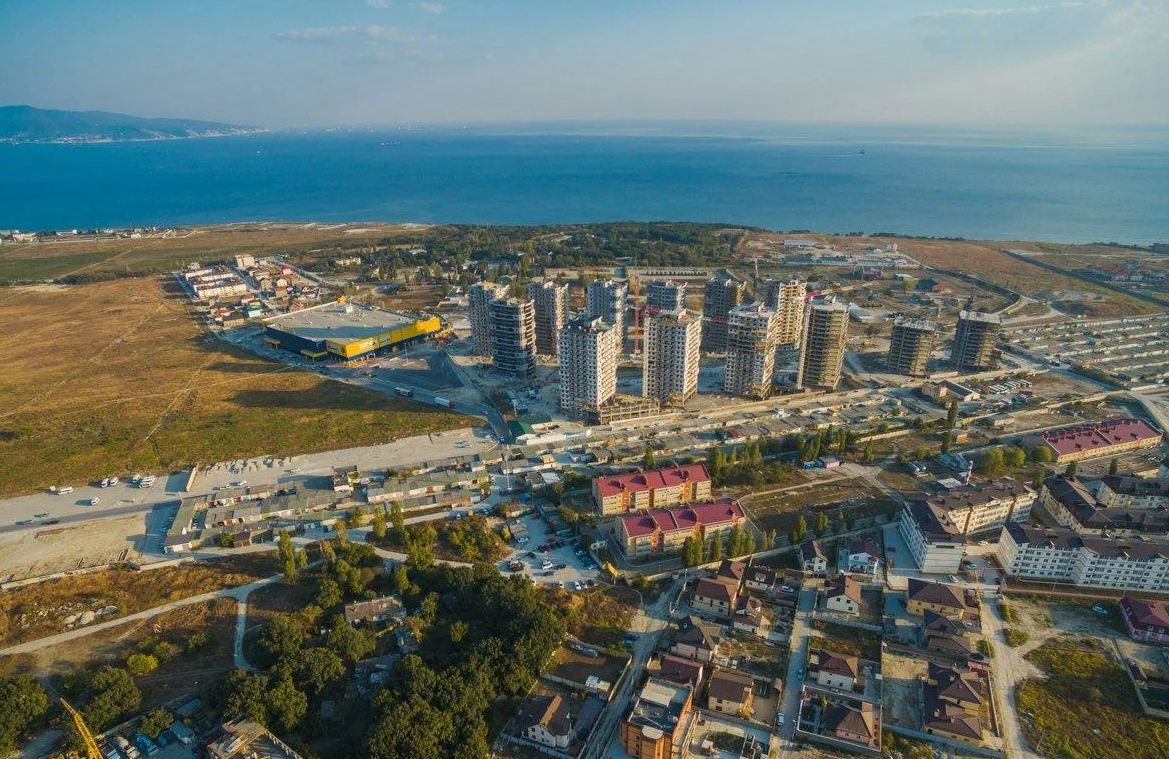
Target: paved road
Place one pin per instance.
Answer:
(801, 632)
(239, 592)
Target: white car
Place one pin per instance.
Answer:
(522, 540)
(136, 479)
(779, 718)
(105, 483)
(65, 490)
(94, 501)
(113, 480)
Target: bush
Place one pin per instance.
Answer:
(141, 664)
(1007, 612)
(1014, 637)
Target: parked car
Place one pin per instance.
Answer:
(1101, 610)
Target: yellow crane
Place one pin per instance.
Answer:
(91, 749)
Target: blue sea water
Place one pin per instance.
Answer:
(939, 182)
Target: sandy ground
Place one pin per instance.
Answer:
(60, 548)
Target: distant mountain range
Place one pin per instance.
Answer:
(23, 123)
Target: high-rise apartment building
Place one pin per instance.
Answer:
(479, 298)
(825, 338)
(609, 300)
(974, 340)
(588, 365)
(911, 345)
(786, 298)
(670, 358)
(550, 301)
(719, 296)
(750, 363)
(513, 336)
(665, 295)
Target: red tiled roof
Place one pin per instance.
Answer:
(1086, 437)
(682, 517)
(1146, 613)
(637, 482)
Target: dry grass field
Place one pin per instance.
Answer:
(119, 258)
(114, 377)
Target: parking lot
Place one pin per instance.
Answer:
(550, 560)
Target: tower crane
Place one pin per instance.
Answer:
(91, 749)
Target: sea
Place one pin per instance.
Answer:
(1106, 185)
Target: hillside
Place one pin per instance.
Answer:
(23, 123)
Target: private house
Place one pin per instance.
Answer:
(715, 595)
(863, 557)
(731, 572)
(546, 720)
(750, 617)
(679, 670)
(378, 611)
(730, 693)
(649, 732)
(939, 597)
(852, 721)
(761, 579)
(952, 704)
(1146, 621)
(655, 489)
(813, 559)
(843, 595)
(835, 670)
(947, 635)
(698, 640)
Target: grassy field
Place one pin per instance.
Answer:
(36, 611)
(105, 259)
(1086, 708)
(600, 616)
(113, 377)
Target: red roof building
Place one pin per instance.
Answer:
(1146, 621)
(655, 489)
(665, 530)
(1107, 438)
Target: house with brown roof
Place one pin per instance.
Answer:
(761, 579)
(731, 571)
(941, 598)
(546, 720)
(813, 558)
(948, 634)
(751, 617)
(843, 595)
(852, 721)
(715, 595)
(1146, 621)
(679, 670)
(833, 670)
(730, 693)
(952, 702)
(697, 639)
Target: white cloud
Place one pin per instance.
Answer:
(371, 33)
(994, 12)
(380, 4)
(435, 8)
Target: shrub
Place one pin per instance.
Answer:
(141, 664)
(1014, 637)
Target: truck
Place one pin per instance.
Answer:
(404, 391)
(440, 401)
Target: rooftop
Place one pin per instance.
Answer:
(659, 707)
(340, 321)
(636, 482)
(979, 316)
(682, 517)
(1145, 613)
(1132, 548)
(941, 594)
(1086, 437)
(729, 686)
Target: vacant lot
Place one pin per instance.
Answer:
(1086, 707)
(113, 377)
(36, 611)
(104, 259)
(600, 617)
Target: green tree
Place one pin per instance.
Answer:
(22, 702)
(198, 641)
(821, 522)
(398, 522)
(869, 456)
(801, 529)
(244, 696)
(716, 547)
(318, 668)
(422, 547)
(769, 539)
(341, 531)
(141, 664)
(990, 462)
(692, 551)
(348, 643)
(114, 696)
(1014, 456)
(287, 704)
(284, 636)
(952, 414)
(287, 556)
(921, 453)
(736, 543)
(400, 580)
(155, 722)
(328, 593)
(748, 543)
(947, 439)
(355, 517)
(377, 525)
(1114, 466)
(650, 461)
(1071, 470)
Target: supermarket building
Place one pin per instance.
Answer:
(348, 332)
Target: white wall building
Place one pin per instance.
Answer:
(786, 298)
(609, 300)
(665, 295)
(670, 359)
(551, 304)
(588, 364)
(479, 298)
(751, 341)
(1062, 555)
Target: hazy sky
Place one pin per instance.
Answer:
(324, 62)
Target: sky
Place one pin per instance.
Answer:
(285, 63)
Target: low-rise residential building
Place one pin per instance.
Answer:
(1063, 555)
(952, 703)
(843, 595)
(833, 670)
(941, 598)
(751, 617)
(655, 489)
(853, 721)
(948, 634)
(730, 693)
(664, 531)
(547, 721)
(654, 727)
(697, 639)
(680, 670)
(378, 611)
(761, 579)
(1146, 621)
(1131, 492)
(862, 556)
(1098, 439)
(813, 558)
(714, 596)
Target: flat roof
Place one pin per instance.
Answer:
(341, 321)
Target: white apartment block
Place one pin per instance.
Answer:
(670, 360)
(609, 300)
(1062, 555)
(588, 364)
(513, 336)
(665, 295)
(786, 298)
(1130, 492)
(751, 341)
(479, 298)
(551, 304)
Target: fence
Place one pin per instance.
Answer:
(946, 743)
